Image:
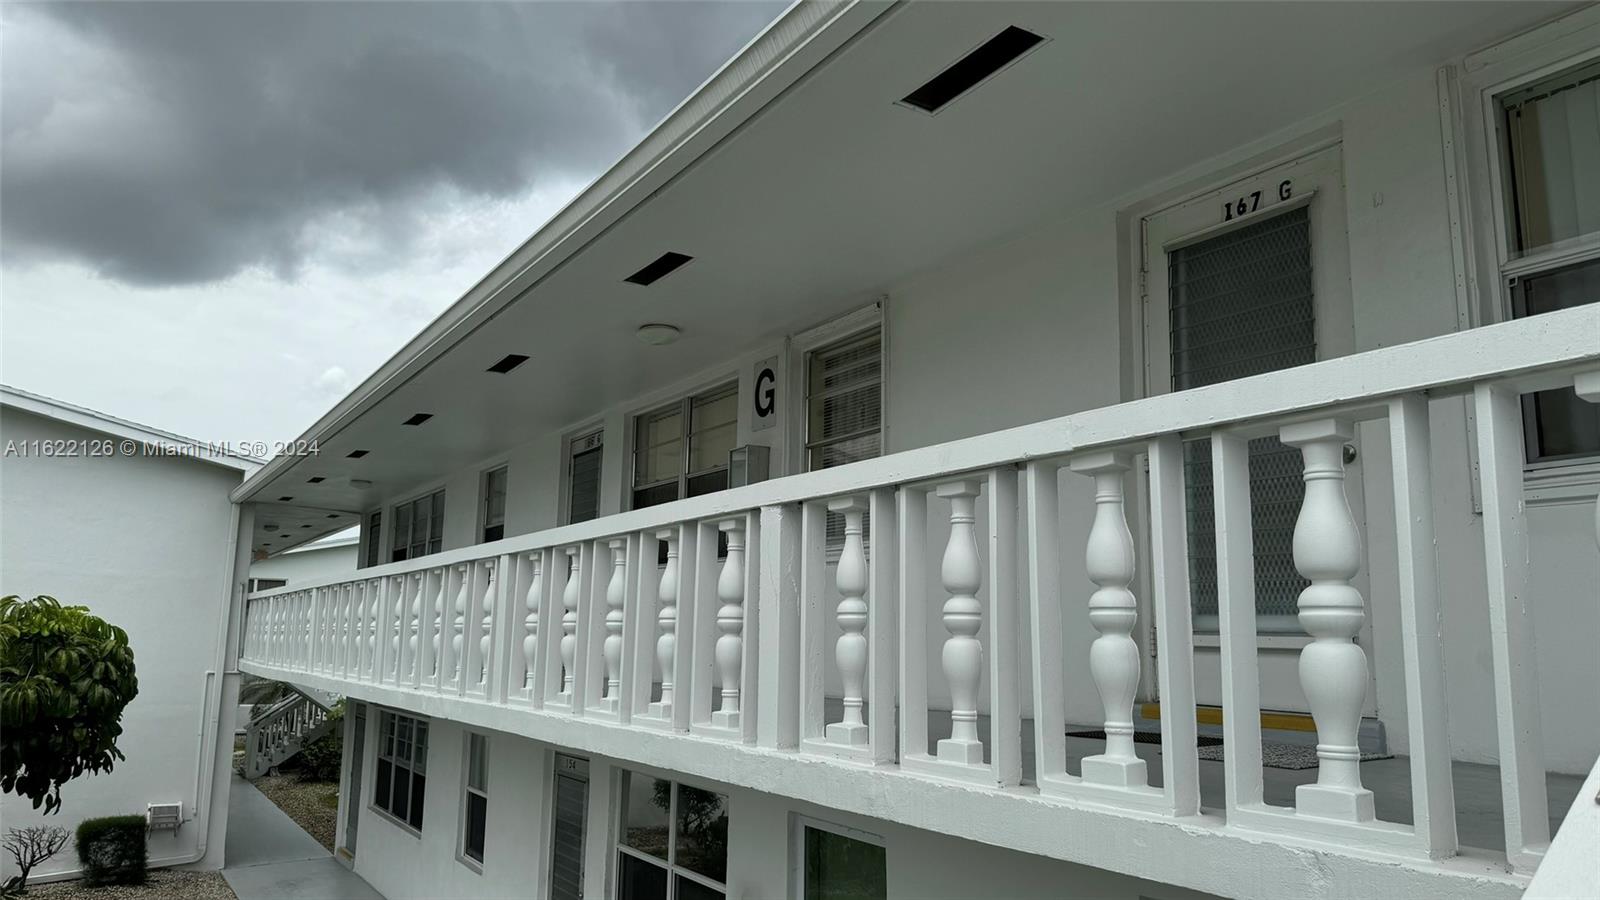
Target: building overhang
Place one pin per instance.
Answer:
(802, 187)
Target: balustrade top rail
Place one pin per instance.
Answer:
(1531, 351)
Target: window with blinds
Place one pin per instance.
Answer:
(494, 505)
(568, 813)
(583, 477)
(1552, 162)
(418, 527)
(1241, 304)
(844, 411)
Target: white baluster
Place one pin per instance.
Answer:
(414, 644)
(1333, 668)
(730, 621)
(487, 622)
(612, 647)
(963, 617)
(374, 599)
(397, 585)
(530, 624)
(1113, 657)
(850, 651)
(569, 622)
(458, 629)
(437, 608)
(667, 623)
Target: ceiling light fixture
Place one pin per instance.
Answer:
(657, 334)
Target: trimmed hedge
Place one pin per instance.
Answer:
(112, 850)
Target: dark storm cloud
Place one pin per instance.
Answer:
(178, 143)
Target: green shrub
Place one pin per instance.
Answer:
(112, 850)
(320, 760)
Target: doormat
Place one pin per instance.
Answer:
(1148, 737)
(1277, 755)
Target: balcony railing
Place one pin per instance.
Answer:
(582, 621)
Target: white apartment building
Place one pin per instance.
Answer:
(1000, 450)
(135, 524)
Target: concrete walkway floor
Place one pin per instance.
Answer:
(269, 857)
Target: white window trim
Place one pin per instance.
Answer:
(467, 788)
(798, 823)
(568, 439)
(621, 772)
(833, 331)
(373, 538)
(1548, 50)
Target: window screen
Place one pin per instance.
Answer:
(844, 411)
(1241, 304)
(1553, 161)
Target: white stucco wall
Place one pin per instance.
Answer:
(307, 564)
(919, 864)
(143, 543)
(1037, 326)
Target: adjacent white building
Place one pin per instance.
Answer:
(137, 525)
(320, 560)
(999, 450)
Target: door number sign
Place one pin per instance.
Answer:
(1249, 203)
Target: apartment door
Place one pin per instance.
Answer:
(352, 788)
(1247, 279)
(568, 819)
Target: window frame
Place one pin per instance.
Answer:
(834, 331)
(669, 865)
(386, 717)
(684, 407)
(463, 853)
(503, 469)
(855, 337)
(798, 823)
(1483, 219)
(435, 493)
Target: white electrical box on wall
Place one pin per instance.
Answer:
(163, 815)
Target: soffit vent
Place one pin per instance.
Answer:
(973, 69)
(357, 454)
(664, 265)
(284, 499)
(418, 419)
(316, 479)
(507, 363)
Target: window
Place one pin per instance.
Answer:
(402, 780)
(1551, 159)
(844, 402)
(374, 537)
(475, 801)
(674, 841)
(583, 477)
(841, 864)
(844, 410)
(494, 505)
(266, 584)
(682, 450)
(418, 527)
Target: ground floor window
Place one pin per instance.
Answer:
(673, 843)
(475, 800)
(401, 782)
(838, 863)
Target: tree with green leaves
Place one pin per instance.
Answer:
(65, 678)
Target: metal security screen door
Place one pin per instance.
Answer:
(1245, 280)
(569, 815)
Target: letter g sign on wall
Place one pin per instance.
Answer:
(765, 396)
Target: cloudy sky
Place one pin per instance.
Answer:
(217, 218)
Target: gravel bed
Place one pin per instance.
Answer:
(313, 805)
(162, 884)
